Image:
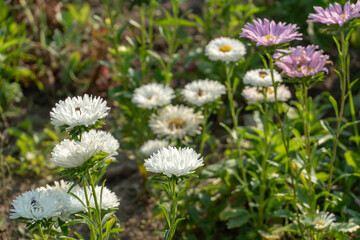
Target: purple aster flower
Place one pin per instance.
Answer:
(268, 33)
(301, 61)
(334, 14)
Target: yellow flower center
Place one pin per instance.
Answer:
(153, 97)
(225, 48)
(176, 123)
(263, 74)
(343, 16)
(267, 90)
(268, 37)
(308, 69)
(320, 224)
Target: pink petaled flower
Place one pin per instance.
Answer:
(301, 61)
(334, 14)
(270, 33)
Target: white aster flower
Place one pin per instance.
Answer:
(71, 153)
(152, 146)
(152, 95)
(176, 121)
(225, 49)
(36, 205)
(323, 220)
(78, 111)
(70, 204)
(261, 77)
(201, 92)
(174, 161)
(256, 94)
(108, 199)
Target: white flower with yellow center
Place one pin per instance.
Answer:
(152, 146)
(152, 95)
(71, 153)
(323, 220)
(36, 205)
(176, 122)
(261, 78)
(200, 92)
(78, 111)
(174, 161)
(256, 94)
(225, 49)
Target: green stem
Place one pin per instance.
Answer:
(229, 86)
(92, 231)
(97, 207)
(289, 167)
(172, 187)
(263, 166)
(41, 232)
(338, 124)
(203, 133)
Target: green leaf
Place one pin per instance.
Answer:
(175, 22)
(166, 214)
(232, 212)
(335, 105)
(237, 221)
(345, 227)
(177, 222)
(322, 176)
(352, 159)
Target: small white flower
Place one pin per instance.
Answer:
(78, 111)
(108, 199)
(261, 77)
(201, 92)
(225, 49)
(323, 220)
(256, 94)
(176, 122)
(152, 95)
(152, 146)
(36, 205)
(173, 161)
(71, 153)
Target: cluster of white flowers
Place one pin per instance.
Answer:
(58, 200)
(176, 122)
(173, 161)
(49, 202)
